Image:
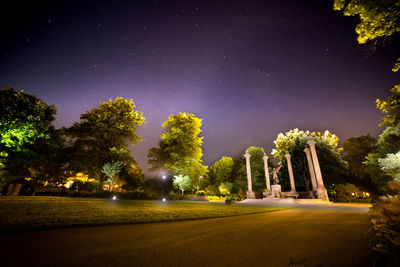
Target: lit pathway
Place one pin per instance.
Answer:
(296, 237)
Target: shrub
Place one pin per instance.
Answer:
(225, 188)
(201, 193)
(212, 190)
(386, 228)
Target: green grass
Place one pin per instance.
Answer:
(27, 213)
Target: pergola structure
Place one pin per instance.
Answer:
(315, 172)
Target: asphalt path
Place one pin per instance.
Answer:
(296, 237)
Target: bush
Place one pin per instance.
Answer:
(386, 228)
(201, 193)
(212, 190)
(225, 188)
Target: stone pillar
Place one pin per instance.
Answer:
(317, 169)
(289, 165)
(322, 193)
(265, 158)
(250, 193)
(311, 169)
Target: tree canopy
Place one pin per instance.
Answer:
(378, 18)
(24, 119)
(179, 149)
(104, 134)
(223, 170)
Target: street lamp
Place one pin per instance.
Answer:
(163, 193)
(200, 177)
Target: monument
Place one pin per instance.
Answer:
(274, 191)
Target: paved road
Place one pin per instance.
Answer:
(297, 237)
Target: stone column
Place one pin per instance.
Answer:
(311, 168)
(250, 193)
(317, 169)
(322, 193)
(265, 158)
(289, 165)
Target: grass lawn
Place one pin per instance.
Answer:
(26, 213)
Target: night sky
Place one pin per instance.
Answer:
(249, 69)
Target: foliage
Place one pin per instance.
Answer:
(133, 176)
(225, 188)
(110, 169)
(212, 190)
(182, 182)
(385, 225)
(284, 142)
(179, 149)
(391, 107)
(294, 142)
(378, 18)
(388, 143)
(355, 149)
(104, 134)
(391, 165)
(24, 121)
(222, 170)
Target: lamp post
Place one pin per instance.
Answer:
(163, 193)
(200, 177)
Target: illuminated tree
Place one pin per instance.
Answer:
(182, 182)
(391, 107)
(179, 149)
(104, 134)
(111, 169)
(25, 121)
(378, 163)
(379, 18)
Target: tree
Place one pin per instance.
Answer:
(378, 164)
(355, 149)
(179, 150)
(133, 176)
(182, 182)
(378, 18)
(328, 152)
(222, 170)
(391, 107)
(24, 120)
(103, 135)
(111, 169)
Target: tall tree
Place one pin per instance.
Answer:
(179, 150)
(355, 149)
(24, 120)
(103, 135)
(222, 170)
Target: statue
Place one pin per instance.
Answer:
(275, 172)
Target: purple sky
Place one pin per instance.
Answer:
(249, 70)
